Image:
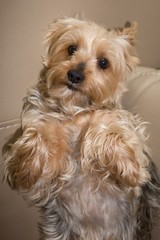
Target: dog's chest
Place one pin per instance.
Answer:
(95, 209)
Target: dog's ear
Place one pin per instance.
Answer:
(126, 39)
(128, 32)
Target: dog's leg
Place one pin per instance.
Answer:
(38, 152)
(114, 143)
(25, 158)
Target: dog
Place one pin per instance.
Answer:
(79, 156)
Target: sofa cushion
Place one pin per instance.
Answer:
(143, 98)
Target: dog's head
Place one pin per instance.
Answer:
(86, 64)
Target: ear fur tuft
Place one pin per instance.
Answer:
(130, 31)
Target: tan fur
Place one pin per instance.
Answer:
(79, 156)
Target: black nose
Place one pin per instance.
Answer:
(75, 76)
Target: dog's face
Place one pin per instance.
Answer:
(87, 64)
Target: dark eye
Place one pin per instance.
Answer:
(72, 49)
(103, 63)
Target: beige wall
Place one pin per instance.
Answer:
(23, 24)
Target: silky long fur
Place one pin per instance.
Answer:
(78, 155)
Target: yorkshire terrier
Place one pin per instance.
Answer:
(78, 155)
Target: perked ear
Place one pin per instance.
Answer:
(126, 39)
(128, 32)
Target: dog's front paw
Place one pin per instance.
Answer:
(113, 147)
(25, 158)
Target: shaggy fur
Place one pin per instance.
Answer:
(78, 155)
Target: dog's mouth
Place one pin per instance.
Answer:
(72, 86)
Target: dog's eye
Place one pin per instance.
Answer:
(72, 49)
(103, 63)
